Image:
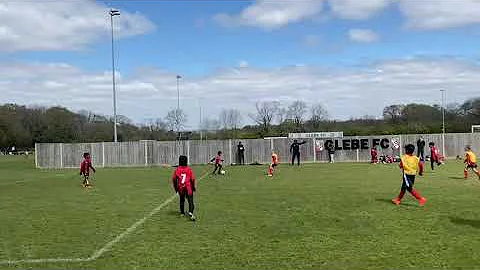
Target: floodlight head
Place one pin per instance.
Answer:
(114, 12)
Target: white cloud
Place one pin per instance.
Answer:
(150, 93)
(358, 9)
(271, 14)
(425, 14)
(363, 35)
(62, 25)
(441, 13)
(243, 64)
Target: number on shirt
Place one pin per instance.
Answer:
(184, 177)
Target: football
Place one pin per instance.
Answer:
(222, 172)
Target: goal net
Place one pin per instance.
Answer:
(475, 128)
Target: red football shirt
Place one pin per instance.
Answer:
(85, 166)
(184, 179)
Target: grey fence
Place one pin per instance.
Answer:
(155, 153)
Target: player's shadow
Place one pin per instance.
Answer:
(456, 177)
(466, 222)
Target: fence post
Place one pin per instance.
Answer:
(401, 144)
(230, 150)
(36, 156)
(146, 153)
(271, 144)
(103, 154)
(61, 155)
(358, 151)
(314, 152)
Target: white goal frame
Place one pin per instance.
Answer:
(475, 127)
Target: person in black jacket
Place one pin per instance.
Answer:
(421, 148)
(241, 153)
(331, 152)
(295, 151)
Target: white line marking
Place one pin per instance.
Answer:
(16, 182)
(98, 253)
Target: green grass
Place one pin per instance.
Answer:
(332, 216)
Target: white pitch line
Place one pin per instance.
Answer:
(132, 228)
(106, 247)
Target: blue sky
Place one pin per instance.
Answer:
(233, 54)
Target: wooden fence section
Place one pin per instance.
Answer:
(155, 153)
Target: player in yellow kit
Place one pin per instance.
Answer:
(410, 165)
(470, 162)
(274, 164)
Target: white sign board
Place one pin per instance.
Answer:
(315, 135)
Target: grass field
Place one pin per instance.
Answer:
(332, 216)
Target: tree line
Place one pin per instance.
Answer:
(23, 126)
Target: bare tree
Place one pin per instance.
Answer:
(176, 119)
(223, 119)
(282, 114)
(318, 114)
(235, 118)
(297, 111)
(230, 119)
(210, 124)
(393, 112)
(265, 112)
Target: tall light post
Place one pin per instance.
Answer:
(443, 120)
(113, 13)
(178, 107)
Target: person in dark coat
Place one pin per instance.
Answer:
(241, 153)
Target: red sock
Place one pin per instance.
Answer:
(416, 194)
(270, 170)
(400, 196)
(465, 173)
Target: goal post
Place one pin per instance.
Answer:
(475, 128)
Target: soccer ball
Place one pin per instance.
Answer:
(222, 172)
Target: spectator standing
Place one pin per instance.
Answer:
(241, 153)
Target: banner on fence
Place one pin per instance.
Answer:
(315, 135)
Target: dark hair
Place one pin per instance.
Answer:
(409, 149)
(86, 155)
(183, 161)
(219, 152)
(431, 144)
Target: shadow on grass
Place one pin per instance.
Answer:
(407, 204)
(456, 177)
(466, 222)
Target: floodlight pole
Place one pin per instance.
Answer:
(443, 121)
(112, 14)
(178, 108)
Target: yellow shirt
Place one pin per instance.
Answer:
(470, 157)
(410, 164)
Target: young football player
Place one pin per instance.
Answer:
(434, 155)
(183, 180)
(218, 162)
(85, 167)
(470, 162)
(275, 162)
(410, 165)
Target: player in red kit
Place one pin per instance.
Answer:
(434, 155)
(183, 181)
(85, 167)
(218, 162)
(274, 164)
(374, 155)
